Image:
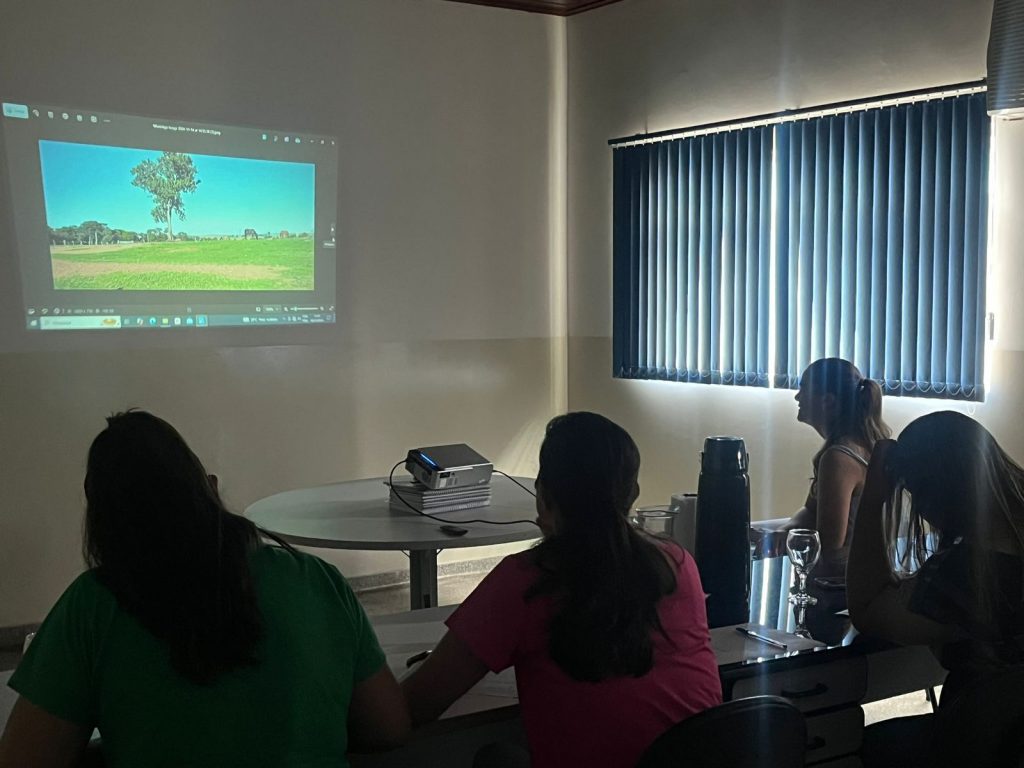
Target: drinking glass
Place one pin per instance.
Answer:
(803, 546)
(657, 521)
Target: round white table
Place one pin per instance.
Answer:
(356, 515)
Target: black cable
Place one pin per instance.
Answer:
(398, 494)
(517, 483)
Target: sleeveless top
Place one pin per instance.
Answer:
(836, 562)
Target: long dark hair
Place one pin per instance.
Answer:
(605, 576)
(161, 540)
(858, 402)
(953, 482)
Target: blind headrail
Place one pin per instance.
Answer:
(792, 115)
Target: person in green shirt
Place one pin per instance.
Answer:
(190, 641)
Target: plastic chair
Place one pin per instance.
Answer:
(755, 732)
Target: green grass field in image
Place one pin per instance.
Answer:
(291, 262)
(175, 281)
(271, 253)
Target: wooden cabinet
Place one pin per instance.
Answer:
(851, 761)
(829, 694)
(834, 734)
(811, 687)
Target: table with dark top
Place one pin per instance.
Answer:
(827, 680)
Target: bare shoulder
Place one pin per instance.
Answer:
(844, 459)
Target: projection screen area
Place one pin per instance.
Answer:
(124, 222)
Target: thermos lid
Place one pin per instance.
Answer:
(724, 455)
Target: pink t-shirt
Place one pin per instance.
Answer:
(599, 725)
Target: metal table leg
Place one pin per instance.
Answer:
(422, 578)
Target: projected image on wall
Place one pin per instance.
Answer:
(126, 221)
(137, 220)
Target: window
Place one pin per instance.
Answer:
(692, 248)
(875, 250)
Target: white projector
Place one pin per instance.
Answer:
(448, 466)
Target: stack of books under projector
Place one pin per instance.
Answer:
(431, 501)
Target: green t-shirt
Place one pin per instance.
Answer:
(93, 664)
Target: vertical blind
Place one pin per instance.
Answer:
(692, 244)
(880, 242)
(879, 229)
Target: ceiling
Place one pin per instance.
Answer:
(554, 7)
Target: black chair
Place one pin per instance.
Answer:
(756, 732)
(984, 726)
(93, 756)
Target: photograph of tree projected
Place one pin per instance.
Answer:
(144, 220)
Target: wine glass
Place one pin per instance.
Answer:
(803, 546)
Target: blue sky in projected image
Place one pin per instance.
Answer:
(84, 182)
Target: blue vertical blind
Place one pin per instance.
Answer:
(881, 234)
(692, 224)
(880, 231)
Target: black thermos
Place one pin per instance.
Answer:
(723, 523)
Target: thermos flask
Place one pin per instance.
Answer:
(723, 523)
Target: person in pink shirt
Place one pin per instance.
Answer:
(605, 626)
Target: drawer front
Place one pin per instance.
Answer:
(841, 762)
(813, 687)
(833, 735)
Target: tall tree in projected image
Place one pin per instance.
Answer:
(167, 179)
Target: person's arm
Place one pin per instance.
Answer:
(34, 737)
(378, 718)
(447, 673)
(876, 602)
(805, 517)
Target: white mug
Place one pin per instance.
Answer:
(684, 530)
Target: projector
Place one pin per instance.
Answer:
(448, 466)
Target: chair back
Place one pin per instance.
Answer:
(92, 757)
(984, 726)
(754, 732)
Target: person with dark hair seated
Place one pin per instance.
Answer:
(958, 581)
(190, 641)
(605, 626)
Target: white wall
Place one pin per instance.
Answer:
(649, 65)
(451, 225)
(455, 120)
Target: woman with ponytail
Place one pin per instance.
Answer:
(605, 626)
(846, 410)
